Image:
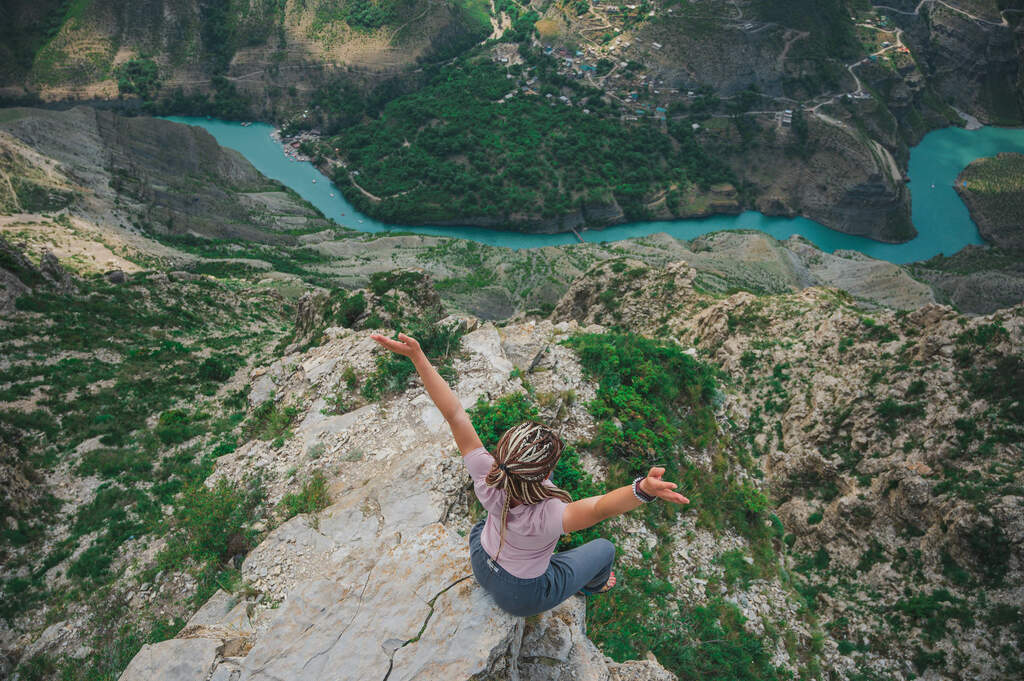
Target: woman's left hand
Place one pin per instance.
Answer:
(654, 486)
(407, 346)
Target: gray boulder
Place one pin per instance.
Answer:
(179, 659)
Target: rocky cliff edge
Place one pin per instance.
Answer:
(379, 585)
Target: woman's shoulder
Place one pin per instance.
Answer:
(478, 461)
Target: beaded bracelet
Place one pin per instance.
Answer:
(639, 493)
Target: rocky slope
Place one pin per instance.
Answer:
(145, 173)
(977, 280)
(890, 444)
(844, 180)
(272, 53)
(386, 556)
(885, 444)
(971, 53)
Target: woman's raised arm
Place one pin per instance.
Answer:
(440, 392)
(584, 513)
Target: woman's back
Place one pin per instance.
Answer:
(531, 530)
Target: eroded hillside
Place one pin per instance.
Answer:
(855, 478)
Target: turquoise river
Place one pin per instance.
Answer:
(942, 221)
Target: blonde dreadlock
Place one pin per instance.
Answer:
(524, 457)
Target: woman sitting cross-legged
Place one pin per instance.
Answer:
(512, 549)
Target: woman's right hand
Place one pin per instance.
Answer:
(654, 486)
(407, 346)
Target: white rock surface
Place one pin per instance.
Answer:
(179, 659)
(379, 584)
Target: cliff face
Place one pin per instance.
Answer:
(266, 49)
(840, 178)
(155, 175)
(378, 584)
(972, 57)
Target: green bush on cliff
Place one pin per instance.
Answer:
(312, 498)
(492, 419)
(212, 525)
(653, 405)
(138, 77)
(659, 396)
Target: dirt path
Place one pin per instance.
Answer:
(796, 37)
(917, 10)
(372, 197)
(14, 194)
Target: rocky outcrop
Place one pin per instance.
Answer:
(163, 177)
(20, 275)
(844, 180)
(379, 585)
(976, 280)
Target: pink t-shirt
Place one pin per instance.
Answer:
(531, 530)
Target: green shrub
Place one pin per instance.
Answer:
(492, 419)
(438, 341)
(737, 568)
(932, 612)
(703, 643)
(892, 413)
(815, 518)
(212, 524)
(412, 283)
(349, 308)
(313, 497)
(991, 550)
(217, 368)
(138, 76)
(270, 421)
(660, 396)
(350, 378)
(875, 553)
(916, 388)
(953, 571)
(176, 426)
(106, 462)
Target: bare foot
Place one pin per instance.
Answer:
(609, 584)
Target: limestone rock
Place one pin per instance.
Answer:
(178, 659)
(399, 616)
(555, 647)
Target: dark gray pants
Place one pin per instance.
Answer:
(585, 568)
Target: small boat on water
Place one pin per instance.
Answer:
(332, 195)
(314, 181)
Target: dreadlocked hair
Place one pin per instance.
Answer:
(523, 458)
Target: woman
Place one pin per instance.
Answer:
(512, 549)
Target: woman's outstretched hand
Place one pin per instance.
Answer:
(656, 487)
(407, 346)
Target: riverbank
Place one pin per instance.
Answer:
(942, 220)
(993, 190)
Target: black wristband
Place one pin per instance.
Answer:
(643, 496)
